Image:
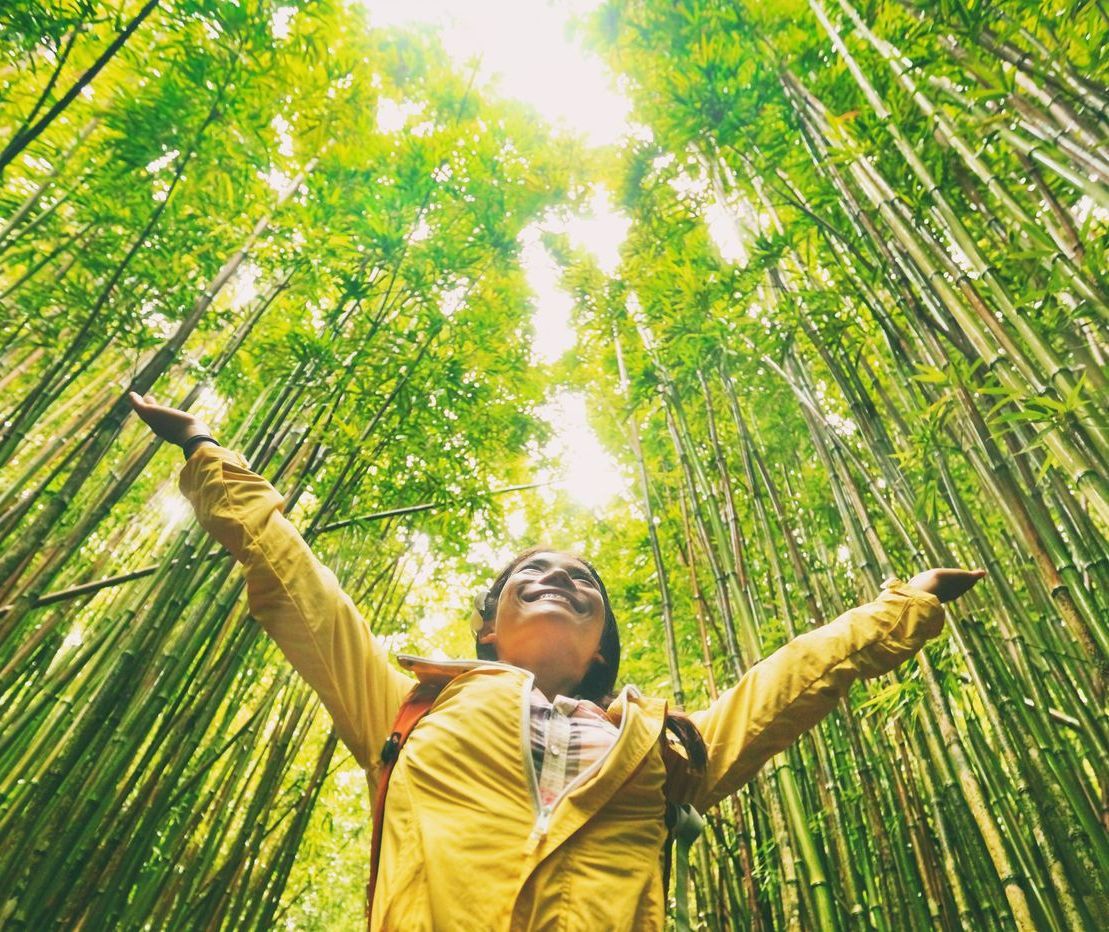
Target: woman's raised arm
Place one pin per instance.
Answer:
(295, 598)
(786, 694)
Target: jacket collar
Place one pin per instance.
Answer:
(428, 670)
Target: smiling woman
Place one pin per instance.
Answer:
(520, 768)
(550, 610)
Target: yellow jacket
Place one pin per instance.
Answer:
(465, 845)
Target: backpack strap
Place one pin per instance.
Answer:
(683, 827)
(414, 707)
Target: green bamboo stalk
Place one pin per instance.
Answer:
(652, 533)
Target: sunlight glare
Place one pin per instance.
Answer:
(210, 406)
(175, 509)
(724, 233)
(601, 232)
(554, 334)
(245, 285)
(523, 50)
(589, 474)
(517, 523)
(391, 115)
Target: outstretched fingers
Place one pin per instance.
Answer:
(947, 583)
(957, 582)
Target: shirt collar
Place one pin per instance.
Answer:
(579, 708)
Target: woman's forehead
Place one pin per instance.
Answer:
(547, 558)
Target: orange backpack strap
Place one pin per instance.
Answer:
(414, 707)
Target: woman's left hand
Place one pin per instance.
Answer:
(170, 424)
(946, 584)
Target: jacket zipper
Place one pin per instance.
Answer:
(543, 813)
(543, 816)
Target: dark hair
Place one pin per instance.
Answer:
(600, 679)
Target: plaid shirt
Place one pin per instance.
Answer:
(568, 736)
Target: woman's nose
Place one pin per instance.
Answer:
(557, 576)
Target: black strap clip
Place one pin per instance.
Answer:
(391, 749)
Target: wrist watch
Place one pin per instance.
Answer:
(193, 442)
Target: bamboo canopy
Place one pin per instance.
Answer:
(900, 364)
(858, 328)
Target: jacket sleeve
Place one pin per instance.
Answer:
(297, 600)
(787, 693)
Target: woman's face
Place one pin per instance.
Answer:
(550, 615)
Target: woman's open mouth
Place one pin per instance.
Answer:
(552, 595)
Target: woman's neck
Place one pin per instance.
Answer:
(552, 685)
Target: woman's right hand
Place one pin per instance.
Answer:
(170, 424)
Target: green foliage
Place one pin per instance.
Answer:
(845, 384)
(861, 311)
(364, 353)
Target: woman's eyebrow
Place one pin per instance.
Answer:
(579, 569)
(545, 562)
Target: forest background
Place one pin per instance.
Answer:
(857, 327)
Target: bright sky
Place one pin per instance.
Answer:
(526, 51)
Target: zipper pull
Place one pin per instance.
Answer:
(539, 830)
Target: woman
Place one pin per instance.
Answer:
(529, 798)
